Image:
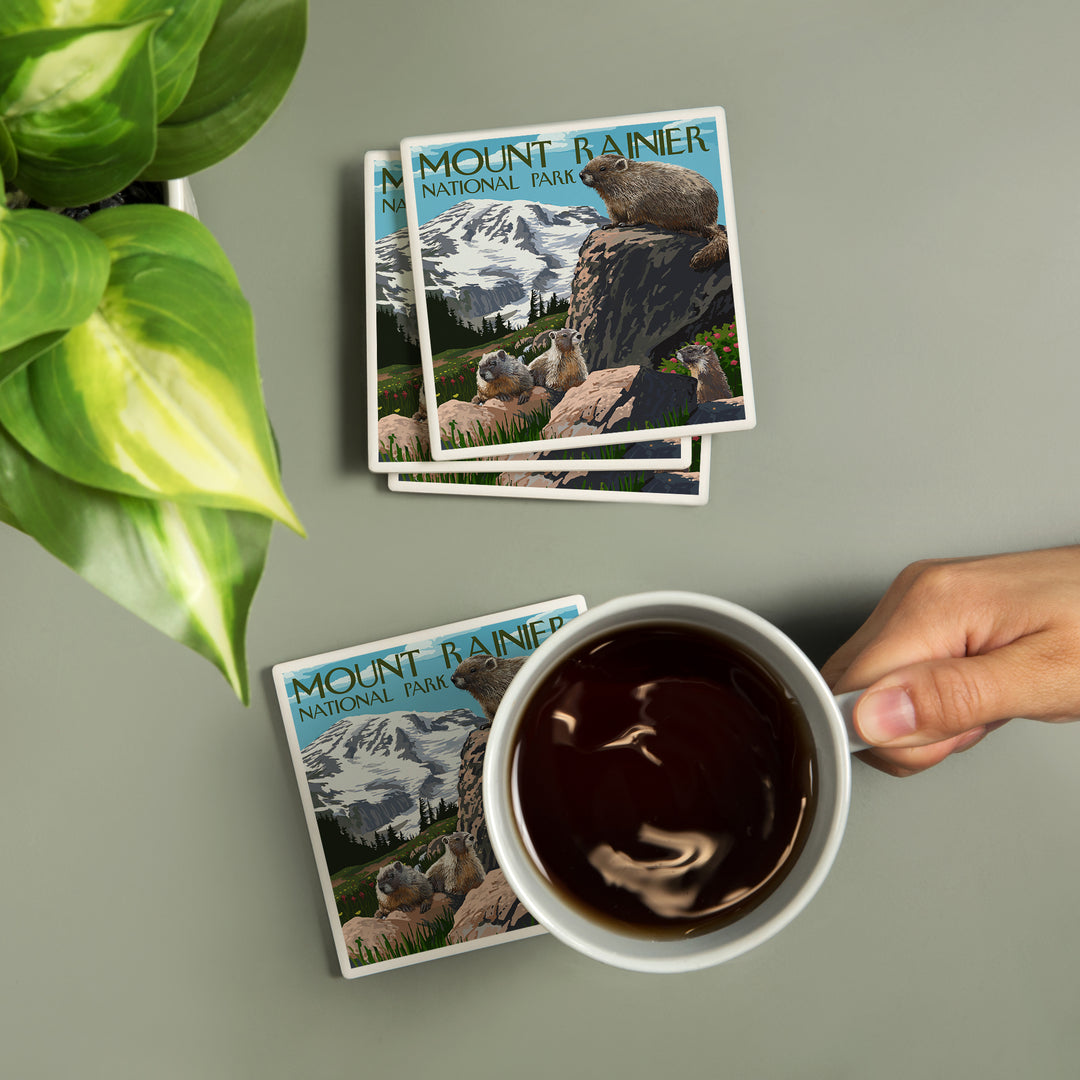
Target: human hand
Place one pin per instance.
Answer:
(956, 648)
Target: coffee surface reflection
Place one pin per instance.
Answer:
(663, 779)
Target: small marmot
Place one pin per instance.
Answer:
(562, 366)
(401, 888)
(486, 678)
(500, 375)
(659, 193)
(701, 361)
(459, 869)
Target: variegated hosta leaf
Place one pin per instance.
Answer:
(190, 571)
(79, 106)
(176, 44)
(157, 394)
(52, 275)
(245, 68)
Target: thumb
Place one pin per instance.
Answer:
(939, 699)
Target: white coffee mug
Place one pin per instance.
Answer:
(831, 729)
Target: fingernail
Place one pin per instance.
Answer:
(969, 739)
(886, 715)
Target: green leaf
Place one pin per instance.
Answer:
(189, 571)
(53, 273)
(79, 106)
(7, 515)
(146, 228)
(9, 157)
(245, 68)
(16, 358)
(19, 15)
(176, 44)
(157, 394)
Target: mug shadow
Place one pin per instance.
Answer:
(819, 633)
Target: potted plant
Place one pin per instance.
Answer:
(134, 441)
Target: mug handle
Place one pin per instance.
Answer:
(846, 704)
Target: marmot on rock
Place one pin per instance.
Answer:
(659, 193)
(500, 375)
(459, 870)
(562, 366)
(701, 361)
(401, 888)
(486, 678)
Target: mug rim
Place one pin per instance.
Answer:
(635, 951)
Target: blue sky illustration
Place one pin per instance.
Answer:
(389, 203)
(429, 663)
(563, 159)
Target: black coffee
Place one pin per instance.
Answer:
(663, 779)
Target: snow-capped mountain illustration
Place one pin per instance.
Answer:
(371, 771)
(486, 256)
(393, 274)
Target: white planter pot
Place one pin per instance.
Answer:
(178, 194)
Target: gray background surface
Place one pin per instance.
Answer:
(906, 191)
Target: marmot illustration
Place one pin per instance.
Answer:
(500, 375)
(562, 366)
(400, 888)
(661, 194)
(701, 361)
(486, 678)
(459, 870)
